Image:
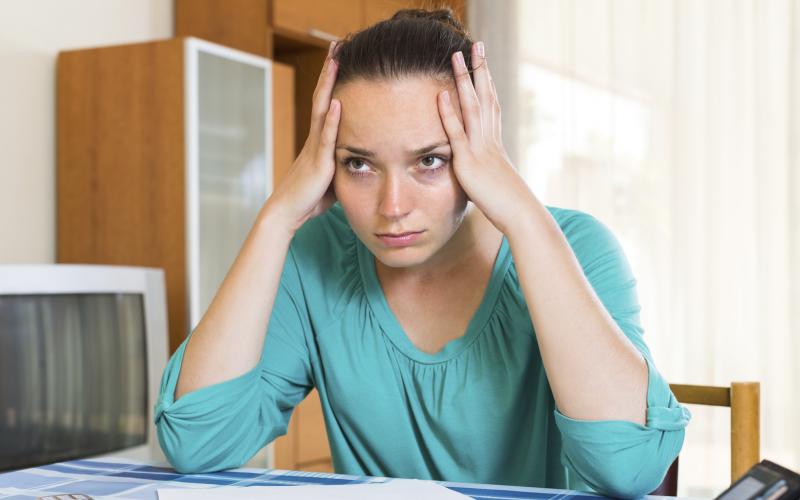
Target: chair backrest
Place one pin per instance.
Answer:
(743, 398)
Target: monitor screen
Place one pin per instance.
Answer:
(73, 376)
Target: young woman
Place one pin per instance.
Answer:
(455, 327)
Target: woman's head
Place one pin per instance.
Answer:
(413, 43)
(394, 171)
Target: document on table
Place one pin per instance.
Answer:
(396, 489)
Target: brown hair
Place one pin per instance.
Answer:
(411, 42)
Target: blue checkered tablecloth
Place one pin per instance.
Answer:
(125, 480)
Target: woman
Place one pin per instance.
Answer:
(455, 327)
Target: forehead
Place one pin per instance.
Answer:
(398, 113)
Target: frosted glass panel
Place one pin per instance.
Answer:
(233, 173)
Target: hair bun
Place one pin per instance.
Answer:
(444, 16)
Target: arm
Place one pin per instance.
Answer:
(227, 341)
(222, 425)
(228, 390)
(624, 427)
(595, 372)
(604, 450)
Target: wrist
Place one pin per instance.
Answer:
(274, 217)
(528, 218)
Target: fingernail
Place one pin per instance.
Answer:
(481, 50)
(446, 96)
(460, 59)
(330, 48)
(331, 66)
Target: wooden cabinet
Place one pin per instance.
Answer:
(305, 445)
(324, 19)
(165, 155)
(378, 10)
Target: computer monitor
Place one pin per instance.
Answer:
(82, 351)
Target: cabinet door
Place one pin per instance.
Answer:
(326, 19)
(230, 163)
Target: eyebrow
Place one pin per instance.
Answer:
(368, 153)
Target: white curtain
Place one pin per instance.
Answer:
(677, 123)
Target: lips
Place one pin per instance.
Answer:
(396, 240)
(398, 235)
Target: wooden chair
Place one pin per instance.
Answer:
(743, 398)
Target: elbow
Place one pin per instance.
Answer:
(185, 450)
(627, 486)
(192, 447)
(627, 472)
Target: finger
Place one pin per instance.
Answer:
(330, 129)
(470, 107)
(496, 111)
(321, 98)
(483, 87)
(456, 134)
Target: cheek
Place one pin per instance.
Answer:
(353, 198)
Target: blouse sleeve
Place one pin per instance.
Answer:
(223, 425)
(616, 457)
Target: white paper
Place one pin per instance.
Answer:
(397, 489)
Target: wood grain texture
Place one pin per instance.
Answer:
(120, 163)
(240, 24)
(702, 394)
(307, 65)
(318, 17)
(312, 441)
(322, 466)
(283, 120)
(745, 425)
(379, 10)
(744, 400)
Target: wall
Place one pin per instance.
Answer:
(31, 35)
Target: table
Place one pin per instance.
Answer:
(126, 479)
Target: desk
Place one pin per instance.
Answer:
(137, 480)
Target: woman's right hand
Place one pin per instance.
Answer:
(307, 189)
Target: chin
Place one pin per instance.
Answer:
(399, 261)
(399, 258)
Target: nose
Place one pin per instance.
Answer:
(395, 197)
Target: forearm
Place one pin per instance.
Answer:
(594, 371)
(230, 336)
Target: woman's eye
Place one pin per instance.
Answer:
(356, 166)
(432, 162)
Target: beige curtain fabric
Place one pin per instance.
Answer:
(677, 123)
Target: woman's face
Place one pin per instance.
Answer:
(393, 169)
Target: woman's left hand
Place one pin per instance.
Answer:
(480, 162)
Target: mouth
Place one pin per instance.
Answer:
(398, 235)
(394, 240)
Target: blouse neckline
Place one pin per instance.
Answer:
(391, 327)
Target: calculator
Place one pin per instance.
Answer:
(764, 481)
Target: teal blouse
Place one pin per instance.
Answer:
(479, 410)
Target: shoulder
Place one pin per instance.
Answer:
(328, 229)
(325, 254)
(587, 235)
(595, 246)
(323, 237)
